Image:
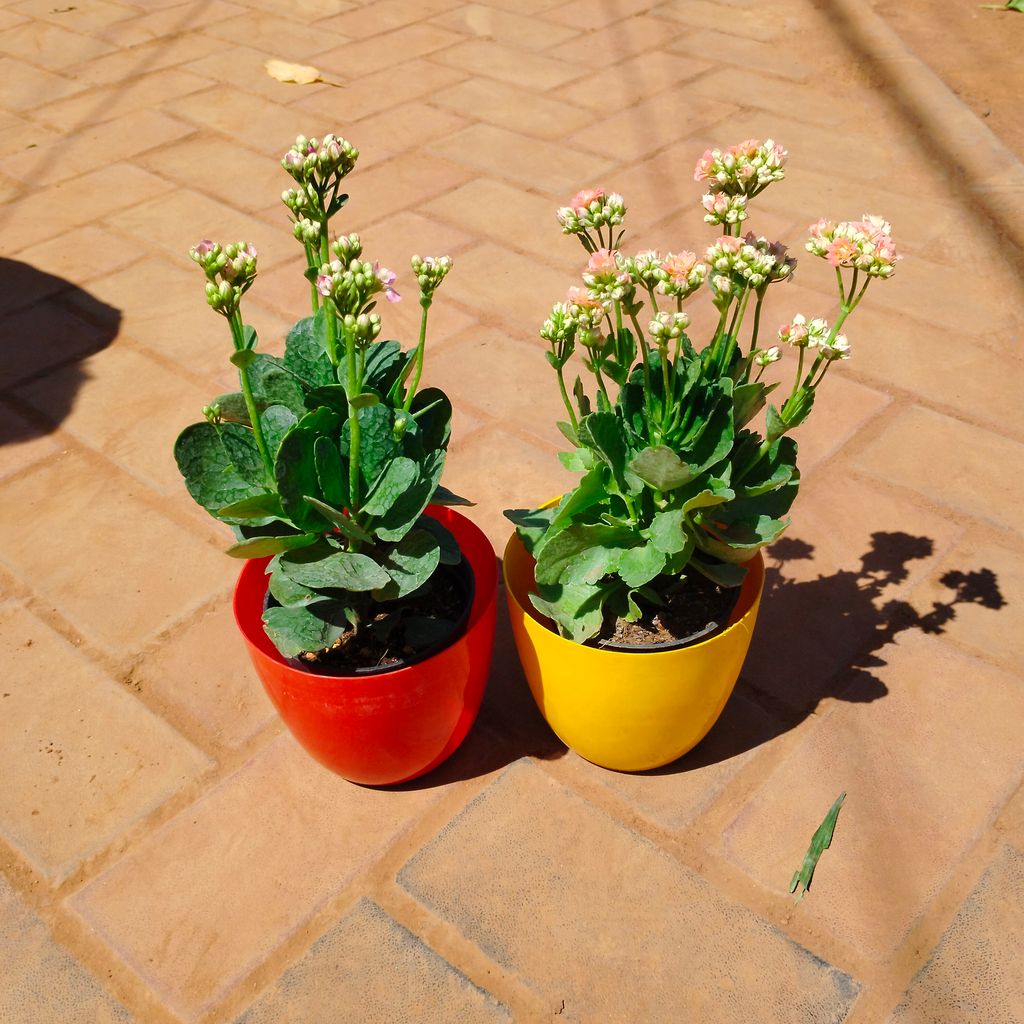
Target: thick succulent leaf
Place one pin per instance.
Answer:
(398, 476)
(233, 408)
(377, 444)
(563, 547)
(331, 395)
(410, 563)
(401, 517)
(725, 574)
(567, 432)
(272, 384)
(775, 425)
(314, 627)
(451, 553)
(259, 506)
(260, 547)
(579, 460)
(590, 491)
(776, 468)
(591, 565)
(716, 439)
(340, 520)
(338, 570)
(576, 608)
(331, 471)
(531, 525)
(289, 593)
(206, 456)
(748, 400)
(661, 468)
(276, 421)
(384, 363)
(296, 470)
(639, 565)
(433, 413)
(442, 496)
(602, 433)
(666, 531)
(304, 355)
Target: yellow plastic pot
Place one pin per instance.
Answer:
(627, 710)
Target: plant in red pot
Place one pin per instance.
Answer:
(366, 602)
(633, 598)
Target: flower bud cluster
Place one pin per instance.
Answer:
(230, 270)
(585, 312)
(560, 326)
(644, 268)
(605, 277)
(748, 262)
(307, 232)
(591, 208)
(681, 274)
(312, 159)
(430, 271)
(744, 169)
(723, 208)
(212, 413)
(296, 200)
(666, 327)
(802, 333)
(352, 285)
(347, 248)
(767, 356)
(363, 328)
(864, 244)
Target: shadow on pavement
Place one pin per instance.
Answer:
(48, 326)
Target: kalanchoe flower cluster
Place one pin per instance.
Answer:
(724, 209)
(865, 245)
(230, 271)
(347, 247)
(311, 160)
(741, 170)
(801, 333)
(363, 328)
(644, 269)
(681, 274)
(430, 271)
(605, 277)
(586, 312)
(748, 262)
(591, 208)
(560, 326)
(351, 286)
(666, 327)
(767, 356)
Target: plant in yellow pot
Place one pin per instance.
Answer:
(633, 597)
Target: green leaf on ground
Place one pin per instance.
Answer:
(820, 842)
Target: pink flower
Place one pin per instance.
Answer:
(603, 262)
(842, 252)
(387, 279)
(705, 166)
(324, 284)
(748, 148)
(204, 248)
(678, 265)
(582, 200)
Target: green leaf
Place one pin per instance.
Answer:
(666, 531)
(276, 421)
(531, 524)
(330, 472)
(377, 444)
(442, 496)
(567, 432)
(331, 395)
(451, 553)
(206, 456)
(296, 630)
(305, 356)
(384, 364)
(748, 400)
(433, 412)
(562, 548)
(259, 506)
(365, 400)
(774, 423)
(296, 467)
(661, 468)
(260, 547)
(290, 594)
(346, 525)
(233, 408)
(798, 407)
(590, 491)
(639, 565)
(574, 607)
(820, 842)
(602, 433)
(243, 358)
(272, 384)
(340, 570)
(410, 563)
(396, 479)
(577, 461)
(777, 467)
(400, 518)
(725, 574)
(582, 401)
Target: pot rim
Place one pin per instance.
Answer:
(483, 570)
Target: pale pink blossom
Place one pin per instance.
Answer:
(582, 200)
(387, 279)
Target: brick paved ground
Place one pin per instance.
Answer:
(168, 854)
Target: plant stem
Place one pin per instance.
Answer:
(238, 336)
(417, 359)
(757, 321)
(352, 389)
(565, 399)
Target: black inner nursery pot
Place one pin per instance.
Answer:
(695, 609)
(404, 632)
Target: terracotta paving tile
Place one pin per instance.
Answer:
(832, 579)
(41, 978)
(225, 108)
(988, 580)
(84, 253)
(730, 48)
(407, 127)
(118, 395)
(625, 900)
(531, 162)
(21, 443)
(763, 24)
(92, 19)
(577, 13)
(243, 843)
(9, 18)
(911, 812)
(632, 80)
(653, 123)
(629, 37)
(364, 57)
(85, 759)
(154, 24)
(203, 673)
(51, 46)
(508, 63)
(512, 27)
(517, 109)
(25, 86)
(166, 51)
(161, 571)
(278, 37)
(384, 16)
(25, 284)
(249, 74)
(419, 985)
(16, 136)
(674, 796)
(973, 976)
(924, 451)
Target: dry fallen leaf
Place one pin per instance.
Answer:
(301, 74)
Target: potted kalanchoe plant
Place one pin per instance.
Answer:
(366, 601)
(633, 597)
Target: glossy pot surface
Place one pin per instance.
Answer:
(387, 728)
(627, 710)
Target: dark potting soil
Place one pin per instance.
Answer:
(401, 632)
(692, 604)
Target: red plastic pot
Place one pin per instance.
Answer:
(382, 729)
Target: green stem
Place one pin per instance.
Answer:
(565, 399)
(352, 388)
(417, 359)
(238, 337)
(757, 321)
